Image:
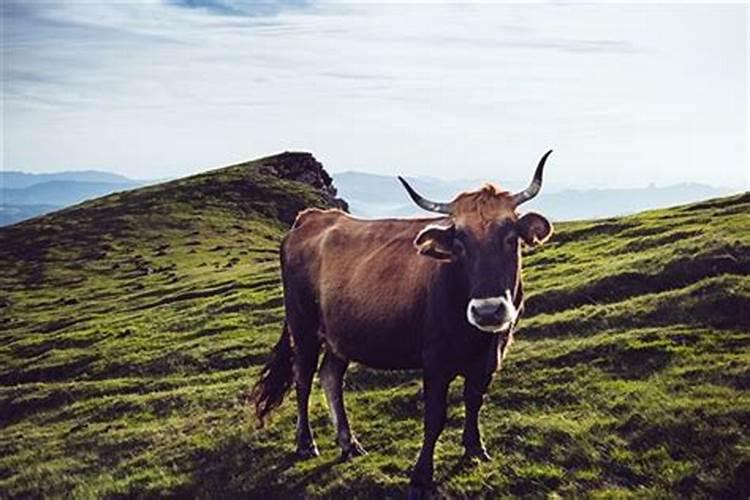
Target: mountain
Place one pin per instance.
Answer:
(10, 214)
(61, 193)
(13, 179)
(372, 196)
(596, 203)
(23, 195)
(132, 325)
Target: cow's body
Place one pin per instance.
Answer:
(441, 294)
(410, 308)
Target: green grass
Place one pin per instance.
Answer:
(132, 325)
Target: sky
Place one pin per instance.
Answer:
(626, 95)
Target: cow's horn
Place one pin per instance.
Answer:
(536, 183)
(432, 206)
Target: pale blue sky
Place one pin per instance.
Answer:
(627, 95)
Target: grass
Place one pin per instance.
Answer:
(132, 325)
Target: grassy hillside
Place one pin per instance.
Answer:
(132, 325)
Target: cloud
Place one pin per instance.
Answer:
(243, 7)
(76, 53)
(185, 83)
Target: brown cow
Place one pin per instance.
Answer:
(441, 294)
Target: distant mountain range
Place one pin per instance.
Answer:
(371, 195)
(24, 195)
(62, 193)
(14, 179)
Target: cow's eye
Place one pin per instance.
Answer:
(510, 240)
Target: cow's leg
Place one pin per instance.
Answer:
(306, 352)
(474, 390)
(435, 388)
(331, 375)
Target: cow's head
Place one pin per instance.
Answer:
(483, 235)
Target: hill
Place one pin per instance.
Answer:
(133, 324)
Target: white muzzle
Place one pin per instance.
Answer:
(492, 314)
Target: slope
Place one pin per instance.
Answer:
(133, 325)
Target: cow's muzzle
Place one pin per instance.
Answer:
(492, 314)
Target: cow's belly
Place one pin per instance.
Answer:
(389, 345)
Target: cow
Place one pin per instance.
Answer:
(443, 295)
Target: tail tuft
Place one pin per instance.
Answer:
(275, 379)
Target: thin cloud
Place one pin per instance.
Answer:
(419, 89)
(242, 7)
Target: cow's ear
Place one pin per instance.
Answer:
(534, 229)
(437, 241)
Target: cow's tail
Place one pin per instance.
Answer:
(275, 378)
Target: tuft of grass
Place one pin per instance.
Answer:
(132, 325)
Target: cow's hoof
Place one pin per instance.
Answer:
(354, 450)
(477, 454)
(307, 453)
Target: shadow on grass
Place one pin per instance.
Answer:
(238, 471)
(235, 470)
(362, 378)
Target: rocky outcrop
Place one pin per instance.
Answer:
(303, 167)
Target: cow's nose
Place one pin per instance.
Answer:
(486, 312)
(491, 314)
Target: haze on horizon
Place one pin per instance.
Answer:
(627, 96)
